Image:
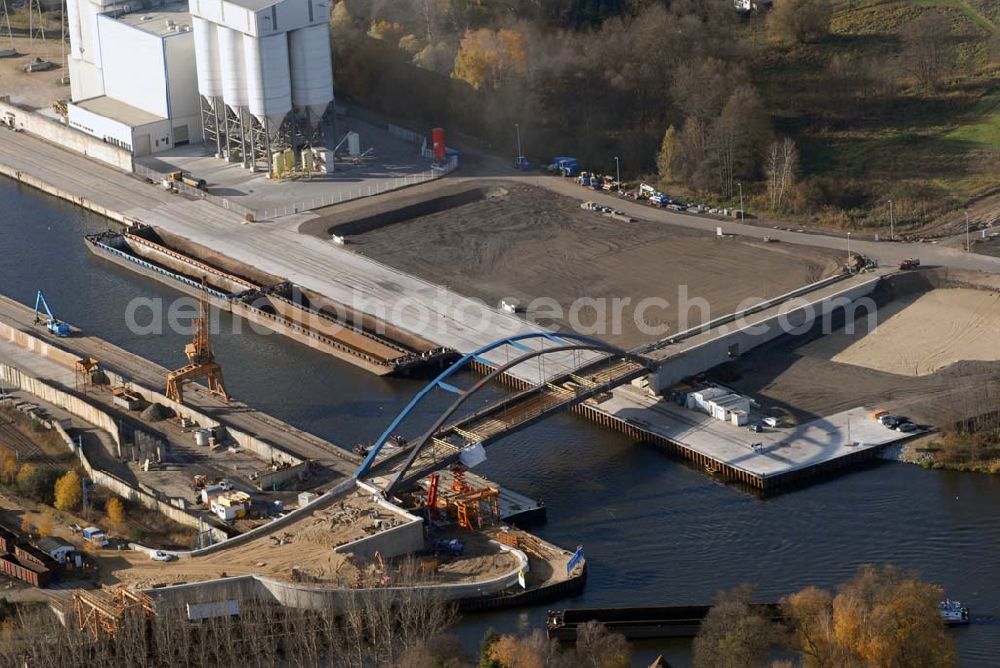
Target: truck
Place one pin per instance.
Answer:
(95, 536)
(909, 263)
(564, 166)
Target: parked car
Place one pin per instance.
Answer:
(160, 555)
(772, 421)
(755, 428)
(907, 427)
(75, 528)
(890, 421)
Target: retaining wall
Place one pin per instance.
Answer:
(403, 539)
(290, 594)
(65, 136)
(745, 337)
(95, 416)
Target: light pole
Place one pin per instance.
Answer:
(892, 224)
(848, 252)
(618, 169)
(517, 130)
(743, 217)
(968, 245)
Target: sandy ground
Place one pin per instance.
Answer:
(923, 335)
(307, 548)
(38, 89)
(524, 242)
(934, 357)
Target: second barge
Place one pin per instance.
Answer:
(270, 301)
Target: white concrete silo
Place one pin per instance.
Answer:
(312, 71)
(232, 67)
(268, 85)
(206, 41)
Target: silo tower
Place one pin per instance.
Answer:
(265, 75)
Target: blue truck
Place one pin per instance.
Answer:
(564, 166)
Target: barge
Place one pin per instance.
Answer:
(271, 302)
(678, 621)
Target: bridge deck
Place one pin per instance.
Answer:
(508, 415)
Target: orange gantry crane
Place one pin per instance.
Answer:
(201, 361)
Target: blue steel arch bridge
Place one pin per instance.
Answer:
(596, 368)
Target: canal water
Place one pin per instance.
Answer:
(655, 531)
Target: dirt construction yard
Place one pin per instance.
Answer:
(934, 356)
(522, 242)
(922, 335)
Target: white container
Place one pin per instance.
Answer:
(202, 436)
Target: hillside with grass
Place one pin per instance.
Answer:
(870, 131)
(822, 111)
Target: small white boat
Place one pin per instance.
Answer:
(953, 612)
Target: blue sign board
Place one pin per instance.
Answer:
(575, 560)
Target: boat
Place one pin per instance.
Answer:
(953, 612)
(676, 621)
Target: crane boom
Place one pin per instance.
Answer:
(54, 325)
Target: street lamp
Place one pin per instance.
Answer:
(892, 224)
(968, 245)
(618, 169)
(743, 217)
(517, 158)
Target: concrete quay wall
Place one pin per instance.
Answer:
(73, 140)
(796, 315)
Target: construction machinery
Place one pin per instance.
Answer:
(201, 361)
(53, 324)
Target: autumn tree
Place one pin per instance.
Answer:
(487, 58)
(116, 514)
(8, 468)
(800, 20)
(880, 618)
(68, 493)
(45, 523)
(669, 156)
(927, 51)
(733, 634)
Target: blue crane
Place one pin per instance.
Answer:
(54, 325)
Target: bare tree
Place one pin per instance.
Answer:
(927, 50)
(733, 635)
(801, 20)
(780, 165)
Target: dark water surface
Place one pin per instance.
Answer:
(655, 531)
